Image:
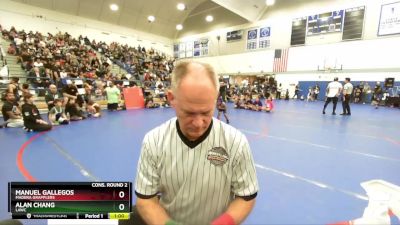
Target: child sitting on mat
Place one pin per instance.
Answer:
(57, 114)
(93, 109)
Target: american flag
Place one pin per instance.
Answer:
(281, 60)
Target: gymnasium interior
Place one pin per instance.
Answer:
(312, 167)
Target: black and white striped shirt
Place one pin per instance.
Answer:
(196, 180)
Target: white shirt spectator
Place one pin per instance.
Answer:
(159, 82)
(245, 83)
(42, 44)
(334, 89)
(63, 74)
(38, 64)
(18, 41)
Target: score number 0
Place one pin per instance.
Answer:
(121, 195)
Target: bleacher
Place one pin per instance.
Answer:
(118, 68)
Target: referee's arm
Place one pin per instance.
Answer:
(147, 181)
(151, 211)
(244, 184)
(240, 208)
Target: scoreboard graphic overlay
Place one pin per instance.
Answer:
(70, 200)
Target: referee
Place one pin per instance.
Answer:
(347, 91)
(194, 169)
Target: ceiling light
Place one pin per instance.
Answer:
(209, 18)
(270, 2)
(114, 7)
(181, 6)
(179, 27)
(151, 19)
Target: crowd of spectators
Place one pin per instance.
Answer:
(148, 66)
(69, 73)
(247, 95)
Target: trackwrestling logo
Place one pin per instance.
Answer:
(218, 156)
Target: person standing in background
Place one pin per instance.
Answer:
(279, 91)
(221, 106)
(113, 97)
(366, 93)
(296, 92)
(222, 89)
(347, 91)
(332, 94)
(377, 95)
(316, 92)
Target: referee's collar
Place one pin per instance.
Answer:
(193, 144)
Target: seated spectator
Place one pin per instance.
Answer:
(248, 104)
(240, 102)
(35, 78)
(25, 89)
(269, 104)
(13, 87)
(32, 119)
(149, 103)
(73, 111)
(88, 93)
(99, 90)
(11, 50)
(93, 109)
(11, 111)
(38, 63)
(52, 95)
(57, 115)
(159, 83)
(257, 104)
(70, 91)
(160, 93)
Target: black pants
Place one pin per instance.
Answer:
(278, 95)
(38, 127)
(112, 106)
(346, 104)
(296, 94)
(334, 100)
(135, 218)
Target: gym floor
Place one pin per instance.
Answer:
(309, 165)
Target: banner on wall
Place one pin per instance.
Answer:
(176, 50)
(189, 49)
(204, 47)
(182, 50)
(200, 47)
(389, 22)
(196, 49)
(264, 40)
(252, 39)
(234, 35)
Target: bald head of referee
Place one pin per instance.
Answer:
(193, 95)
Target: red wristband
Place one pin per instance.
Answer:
(224, 219)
